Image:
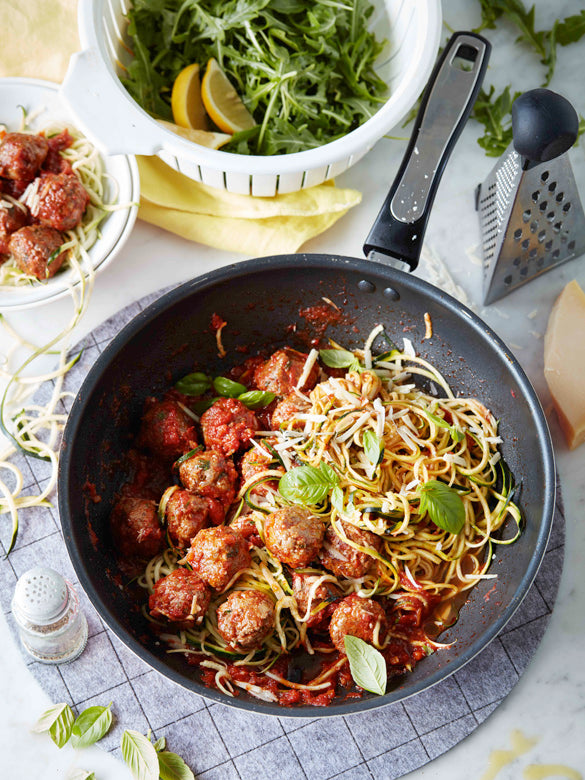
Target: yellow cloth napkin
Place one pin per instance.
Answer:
(38, 38)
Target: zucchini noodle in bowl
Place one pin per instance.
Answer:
(327, 516)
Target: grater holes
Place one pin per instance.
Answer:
(517, 261)
(566, 207)
(532, 254)
(550, 216)
(552, 186)
(508, 280)
(524, 272)
(556, 254)
(518, 234)
(544, 176)
(571, 246)
(533, 226)
(559, 197)
(526, 215)
(543, 206)
(541, 236)
(548, 246)
(536, 195)
(525, 243)
(557, 227)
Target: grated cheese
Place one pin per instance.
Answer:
(368, 345)
(309, 363)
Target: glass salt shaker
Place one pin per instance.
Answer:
(52, 627)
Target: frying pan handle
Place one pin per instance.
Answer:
(397, 234)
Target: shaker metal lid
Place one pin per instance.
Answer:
(40, 595)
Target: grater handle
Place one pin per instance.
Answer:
(545, 125)
(397, 234)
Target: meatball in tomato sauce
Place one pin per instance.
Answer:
(319, 601)
(294, 535)
(21, 155)
(181, 597)
(210, 474)
(280, 374)
(343, 559)
(218, 554)
(245, 619)
(228, 426)
(12, 218)
(186, 514)
(360, 617)
(286, 410)
(136, 530)
(166, 430)
(62, 199)
(36, 250)
(255, 462)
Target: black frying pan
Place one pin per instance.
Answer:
(260, 300)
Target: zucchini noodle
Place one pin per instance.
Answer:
(417, 566)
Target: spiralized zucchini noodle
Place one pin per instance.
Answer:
(425, 435)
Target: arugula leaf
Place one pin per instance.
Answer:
(373, 447)
(494, 112)
(337, 358)
(571, 29)
(90, 726)
(443, 505)
(257, 399)
(58, 721)
(228, 388)
(172, 767)
(140, 755)
(307, 484)
(196, 383)
(367, 665)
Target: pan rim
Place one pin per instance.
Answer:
(296, 263)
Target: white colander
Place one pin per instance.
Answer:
(117, 124)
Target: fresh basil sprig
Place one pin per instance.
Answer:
(91, 725)
(366, 664)
(140, 755)
(373, 447)
(456, 434)
(340, 358)
(58, 721)
(172, 767)
(196, 383)
(228, 388)
(443, 505)
(256, 399)
(307, 484)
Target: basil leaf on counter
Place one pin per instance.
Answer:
(373, 447)
(58, 721)
(140, 755)
(172, 767)
(256, 399)
(307, 484)
(81, 774)
(366, 664)
(160, 744)
(90, 726)
(194, 384)
(228, 388)
(337, 358)
(443, 505)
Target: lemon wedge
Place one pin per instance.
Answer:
(201, 137)
(222, 102)
(186, 105)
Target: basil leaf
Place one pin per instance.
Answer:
(58, 721)
(456, 434)
(139, 753)
(373, 447)
(82, 774)
(443, 505)
(160, 744)
(256, 399)
(328, 473)
(367, 665)
(194, 384)
(90, 726)
(202, 406)
(306, 484)
(227, 388)
(172, 767)
(337, 498)
(336, 358)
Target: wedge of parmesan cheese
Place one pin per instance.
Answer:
(564, 361)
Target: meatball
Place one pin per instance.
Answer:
(228, 425)
(245, 619)
(209, 474)
(294, 535)
(218, 554)
(326, 592)
(21, 155)
(135, 527)
(254, 462)
(343, 559)
(62, 201)
(181, 597)
(286, 409)
(186, 514)
(12, 218)
(35, 250)
(166, 430)
(359, 617)
(245, 524)
(282, 371)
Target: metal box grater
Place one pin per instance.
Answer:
(530, 213)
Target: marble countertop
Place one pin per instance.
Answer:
(548, 703)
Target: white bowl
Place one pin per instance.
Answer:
(42, 98)
(106, 112)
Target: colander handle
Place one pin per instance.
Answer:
(104, 114)
(397, 234)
